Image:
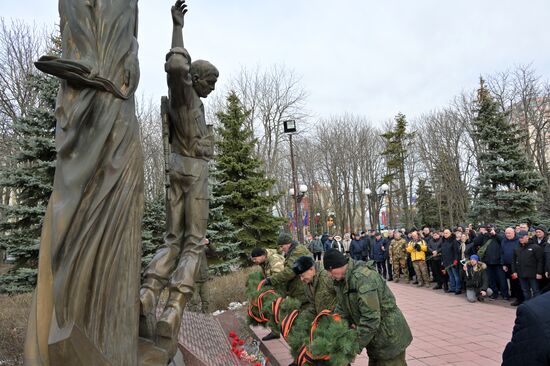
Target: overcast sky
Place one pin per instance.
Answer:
(372, 58)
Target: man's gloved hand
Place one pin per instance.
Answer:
(417, 247)
(267, 282)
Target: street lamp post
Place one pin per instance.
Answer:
(289, 127)
(378, 197)
(297, 209)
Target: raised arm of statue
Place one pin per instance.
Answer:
(178, 61)
(178, 14)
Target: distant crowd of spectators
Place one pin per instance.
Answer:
(512, 264)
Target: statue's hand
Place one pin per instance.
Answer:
(178, 12)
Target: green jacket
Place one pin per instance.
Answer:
(365, 300)
(320, 293)
(294, 287)
(274, 263)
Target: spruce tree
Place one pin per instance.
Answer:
(247, 206)
(426, 205)
(507, 178)
(30, 178)
(221, 232)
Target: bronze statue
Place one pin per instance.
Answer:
(191, 145)
(86, 307)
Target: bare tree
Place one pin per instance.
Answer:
(149, 119)
(271, 96)
(20, 45)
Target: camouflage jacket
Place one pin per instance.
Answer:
(274, 263)
(398, 249)
(365, 300)
(294, 287)
(320, 292)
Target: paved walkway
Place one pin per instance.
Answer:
(447, 330)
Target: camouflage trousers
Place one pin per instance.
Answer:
(421, 270)
(398, 360)
(201, 298)
(397, 265)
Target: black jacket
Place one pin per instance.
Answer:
(530, 344)
(435, 245)
(477, 279)
(493, 252)
(528, 261)
(450, 251)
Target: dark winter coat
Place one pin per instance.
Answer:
(316, 246)
(377, 254)
(367, 245)
(475, 277)
(356, 249)
(364, 300)
(328, 245)
(338, 245)
(530, 344)
(450, 251)
(547, 258)
(507, 248)
(528, 261)
(435, 246)
(492, 253)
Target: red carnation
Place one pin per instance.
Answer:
(241, 342)
(232, 334)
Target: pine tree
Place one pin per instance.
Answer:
(31, 181)
(426, 205)
(507, 178)
(221, 232)
(248, 206)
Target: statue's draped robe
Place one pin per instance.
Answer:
(86, 304)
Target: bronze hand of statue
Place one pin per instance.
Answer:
(178, 12)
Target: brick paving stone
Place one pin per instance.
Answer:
(447, 330)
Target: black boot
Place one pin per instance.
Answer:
(271, 336)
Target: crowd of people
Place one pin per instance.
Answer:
(512, 264)
(349, 276)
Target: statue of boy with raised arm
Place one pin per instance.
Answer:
(191, 145)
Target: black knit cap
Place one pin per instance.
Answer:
(541, 228)
(302, 264)
(284, 238)
(258, 252)
(334, 259)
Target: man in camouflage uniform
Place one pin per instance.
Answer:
(269, 260)
(287, 280)
(201, 297)
(398, 256)
(318, 285)
(366, 302)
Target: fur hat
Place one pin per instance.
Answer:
(302, 264)
(334, 259)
